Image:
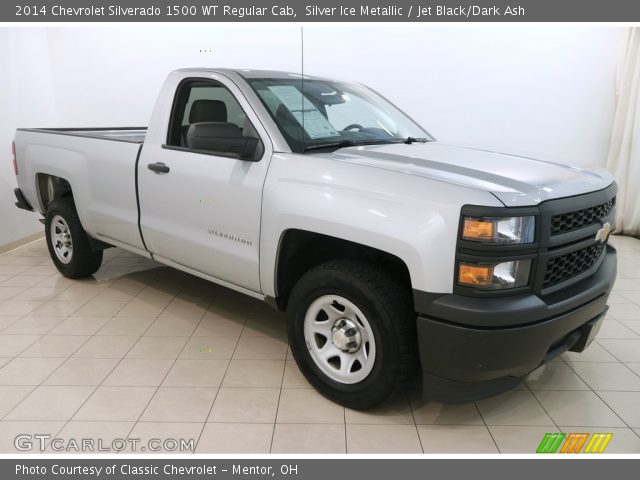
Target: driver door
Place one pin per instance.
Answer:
(201, 200)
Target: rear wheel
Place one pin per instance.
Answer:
(68, 243)
(351, 331)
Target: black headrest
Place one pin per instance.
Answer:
(208, 111)
(215, 136)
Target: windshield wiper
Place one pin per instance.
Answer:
(347, 143)
(410, 140)
(354, 143)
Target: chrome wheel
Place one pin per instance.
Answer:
(339, 339)
(61, 239)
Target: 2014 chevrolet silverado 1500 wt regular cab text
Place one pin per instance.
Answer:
(387, 249)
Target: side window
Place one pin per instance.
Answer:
(207, 117)
(212, 104)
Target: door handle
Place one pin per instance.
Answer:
(158, 167)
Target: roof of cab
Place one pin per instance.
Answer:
(249, 73)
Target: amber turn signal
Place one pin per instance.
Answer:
(474, 275)
(478, 229)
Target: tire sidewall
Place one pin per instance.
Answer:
(78, 264)
(52, 211)
(387, 351)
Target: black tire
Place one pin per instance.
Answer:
(388, 310)
(83, 261)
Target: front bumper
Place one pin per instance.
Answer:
(475, 347)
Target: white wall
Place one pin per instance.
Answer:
(26, 99)
(543, 91)
(111, 76)
(8, 218)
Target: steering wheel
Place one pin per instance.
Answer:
(352, 126)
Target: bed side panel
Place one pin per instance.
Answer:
(101, 174)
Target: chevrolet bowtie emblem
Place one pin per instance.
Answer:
(603, 233)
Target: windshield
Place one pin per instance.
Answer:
(316, 114)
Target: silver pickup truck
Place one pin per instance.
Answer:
(387, 249)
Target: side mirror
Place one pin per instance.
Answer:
(248, 150)
(222, 137)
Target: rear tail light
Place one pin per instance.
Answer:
(15, 162)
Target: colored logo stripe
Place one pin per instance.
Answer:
(574, 443)
(598, 442)
(550, 442)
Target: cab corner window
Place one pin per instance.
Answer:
(207, 118)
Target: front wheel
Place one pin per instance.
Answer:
(68, 243)
(352, 333)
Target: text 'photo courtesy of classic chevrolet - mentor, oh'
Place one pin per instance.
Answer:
(388, 250)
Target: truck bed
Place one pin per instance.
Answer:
(116, 134)
(100, 163)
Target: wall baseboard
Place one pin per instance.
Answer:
(21, 242)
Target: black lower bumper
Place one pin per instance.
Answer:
(22, 202)
(463, 361)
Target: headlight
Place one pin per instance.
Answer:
(500, 230)
(494, 276)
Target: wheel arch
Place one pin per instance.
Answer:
(301, 250)
(51, 187)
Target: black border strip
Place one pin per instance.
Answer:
(144, 244)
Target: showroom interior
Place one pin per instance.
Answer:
(146, 351)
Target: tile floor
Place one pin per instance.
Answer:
(144, 351)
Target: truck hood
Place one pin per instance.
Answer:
(514, 179)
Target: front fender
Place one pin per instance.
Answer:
(414, 218)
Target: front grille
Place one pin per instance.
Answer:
(567, 222)
(563, 267)
(566, 252)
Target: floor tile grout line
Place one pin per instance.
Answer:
(57, 294)
(215, 397)
(612, 409)
(46, 378)
(275, 420)
(42, 383)
(475, 404)
(102, 381)
(532, 392)
(65, 317)
(596, 393)
(625, 364)
(24, 289)
(142, 335)
(174, 362)
(95, 389)
(42, 334)
(23, 398)
(23, 350)
(610, 352)
(634, 335)
(413, 417)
